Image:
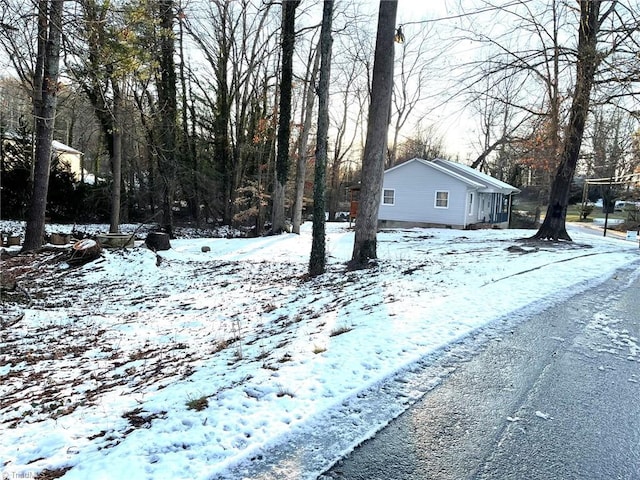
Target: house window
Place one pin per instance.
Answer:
(470, 203)
(442, 199)
(388, 197)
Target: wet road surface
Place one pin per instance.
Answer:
(554, 397)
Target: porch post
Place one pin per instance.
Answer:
(495, 208)
(465, 216)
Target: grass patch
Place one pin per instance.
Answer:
(285, 358)
(48, 474)
(263, 355)
(573, 213)
(284, 392)
(319, 349)
(198, 404)
(340, 331)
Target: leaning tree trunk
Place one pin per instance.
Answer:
(554, 225)
(375, 148)
(317, 261)
(44, 108)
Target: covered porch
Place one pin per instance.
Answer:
(494, 208)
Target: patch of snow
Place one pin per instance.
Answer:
(200, 365)
(542, 415)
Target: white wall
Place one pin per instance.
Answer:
(415, 185)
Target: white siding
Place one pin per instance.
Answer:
(473, 206)
(73, 161)
(415, 185)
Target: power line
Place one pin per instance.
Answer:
(468, 14)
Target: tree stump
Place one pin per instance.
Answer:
(59, 238)
(157, 241)
(84, 251)
(116, 240)
(13, 240)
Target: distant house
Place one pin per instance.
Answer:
(71, 157)
(440, 193)
(64, 154)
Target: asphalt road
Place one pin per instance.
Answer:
(554, 397)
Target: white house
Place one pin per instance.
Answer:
(69, 156)
(438, 192)
(66, 155)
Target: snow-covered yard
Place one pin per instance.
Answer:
(200, 365)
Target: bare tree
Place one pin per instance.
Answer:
(635, 150)
(254, 76)
(350, 95)
(187, 150)
(412, 90)
(588, 59)
(346, 116)
(18, 38)
(365, 244)
(566, 61)
(308, 99)
(610, 135)
(524, 80)
(235, 99)
(98, 68)
(423, 143)
(168, 111)
(499, 121)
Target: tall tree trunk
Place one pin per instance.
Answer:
(301, 170)
(168, 111)
(187, 150)
(317, 261)
(44, 108)
(554, 225)
(284, 117)
(222, 118)
(375, 149)
(96, 77)
(116, 160)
